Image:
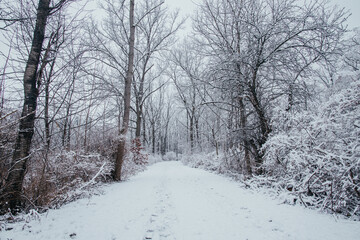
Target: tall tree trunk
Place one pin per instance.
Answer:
(197, 130)
(139, 100)
(191, 132)
(290, 98)
(244, 136)
(46, 107)
(264, 124)
(144, 132)
(265, 127)
(88, 120)
(86, 130)
(127, 94)
(42, 186)
(68, 134)
(215, 141)
(153, 136)
(46, 116)
(66, 128)
(138, 122)
(14, 182)
(65, 138)
(64, 132)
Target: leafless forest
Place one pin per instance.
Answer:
(267, 91)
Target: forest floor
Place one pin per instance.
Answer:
(172, 201)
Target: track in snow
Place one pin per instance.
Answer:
(171, 201)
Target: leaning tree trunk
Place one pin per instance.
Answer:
(12, 193)
(127, 94)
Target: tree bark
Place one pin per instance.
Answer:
(140, 99)
(47, 120)
(245, 136)
(153, 136)
(127, 95)
(191, 132)
(65, 138)
(138, 122)
(144, 132)
(12, 194)
(265, 127)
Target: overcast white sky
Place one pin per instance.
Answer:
(354, 7)
(188, 6)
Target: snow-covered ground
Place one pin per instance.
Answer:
(172, 201)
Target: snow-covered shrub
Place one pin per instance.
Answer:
(316, 154)
(59, 179)
(209, 161)
(154, 158)
(170, 156)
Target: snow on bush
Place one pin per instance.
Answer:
(64, 177)
(210, 161)
(170, 156)
(154, 158)
(316, 154)
(311, 158)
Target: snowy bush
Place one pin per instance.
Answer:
(60, 179)
(170, 156)
(315, 154)
(210, 161)
(154, 158)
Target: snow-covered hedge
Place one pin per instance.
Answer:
(316, 154)
(205, 161)
(69, 175)
(64, 177)
(211, 162)
(170, 156)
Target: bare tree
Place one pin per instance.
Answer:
(129, 63)
(265, 50)
(11, 195)
(120, 154)
(9, 14)
(153, 113)
(156, 32)
(186, 74)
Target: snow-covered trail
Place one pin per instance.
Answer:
(172, 201)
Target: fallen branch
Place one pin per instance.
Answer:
(92, 181)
